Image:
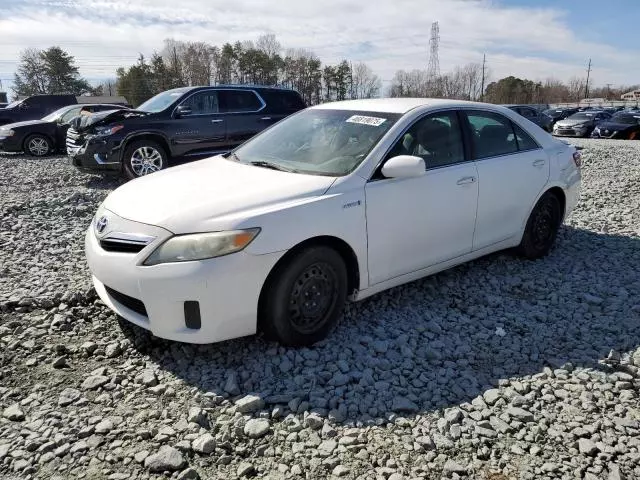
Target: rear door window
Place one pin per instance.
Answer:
(238, 101)
(492, 134)
(203, 103)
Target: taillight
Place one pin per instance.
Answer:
(577, 158)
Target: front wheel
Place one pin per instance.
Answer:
(144, 157)
(304, 297)
(37, 145)
(542, 227)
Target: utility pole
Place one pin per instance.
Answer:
(484, 61)
(586, 87)
(609, 90)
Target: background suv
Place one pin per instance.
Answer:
(533, 114)
(178, 123)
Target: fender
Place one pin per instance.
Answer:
(141, 133)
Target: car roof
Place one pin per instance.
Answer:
(393, 105)
(235, 87)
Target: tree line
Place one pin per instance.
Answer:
(267, 62)
(263, 62)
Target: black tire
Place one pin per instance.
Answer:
(139, 152)
(542, 227)
(38, 145)
(315, 271)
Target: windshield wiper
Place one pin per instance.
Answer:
(272, 166)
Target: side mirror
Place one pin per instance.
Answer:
(183, 110)
(404, 166)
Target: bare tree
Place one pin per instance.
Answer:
(364, 83)
(269, 45)
(409, 84)
(576, 89)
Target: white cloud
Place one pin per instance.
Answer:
(388, 34)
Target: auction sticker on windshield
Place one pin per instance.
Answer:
(373, 121)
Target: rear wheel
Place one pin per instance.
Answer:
(144, 157)
(542, 227)
(304, 297)
(37, 145)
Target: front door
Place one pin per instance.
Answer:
(512, 171)
(415, 223)
(202, 130)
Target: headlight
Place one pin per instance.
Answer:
(6, 132)
(106, 131)
(200, 246)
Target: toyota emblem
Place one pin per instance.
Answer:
(101, 224)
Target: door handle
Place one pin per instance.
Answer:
(539, 163)
(466, 180)
(217, 120)
(265, 118)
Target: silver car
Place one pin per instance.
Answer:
(580, 124)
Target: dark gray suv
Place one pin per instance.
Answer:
(541, 119)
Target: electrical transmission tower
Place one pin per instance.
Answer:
(433, 70)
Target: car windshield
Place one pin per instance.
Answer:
(53, 116)
(161, 101)
(625, 118)
(582, 116)
(317, 141)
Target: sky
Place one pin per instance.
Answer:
(533, 39)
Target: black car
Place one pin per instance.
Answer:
(47, 135)
(35, 107)
(179, 123)
(622, 125)
(533, 114)
(560, 113)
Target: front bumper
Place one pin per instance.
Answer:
(226, 289)
(93, 153)
(570, 132)
(597, 133)
(10, 144)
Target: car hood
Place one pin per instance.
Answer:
(614, 126)
(569, 122)
(85, 122)
(27, 123)
(210, 194)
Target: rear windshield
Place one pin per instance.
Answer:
(583, 116)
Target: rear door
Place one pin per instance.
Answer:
(280, 104)
(512, 171)
(244, 113)
(202, 131)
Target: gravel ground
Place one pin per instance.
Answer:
(499, 369)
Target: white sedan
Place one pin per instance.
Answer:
(335, 203)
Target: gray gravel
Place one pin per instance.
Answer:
(500, 369)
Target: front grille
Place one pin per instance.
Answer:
(74, 141)
(127, 301)
(120, 246)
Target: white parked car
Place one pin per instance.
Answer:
(337, 202)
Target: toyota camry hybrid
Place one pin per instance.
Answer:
(334, 203)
